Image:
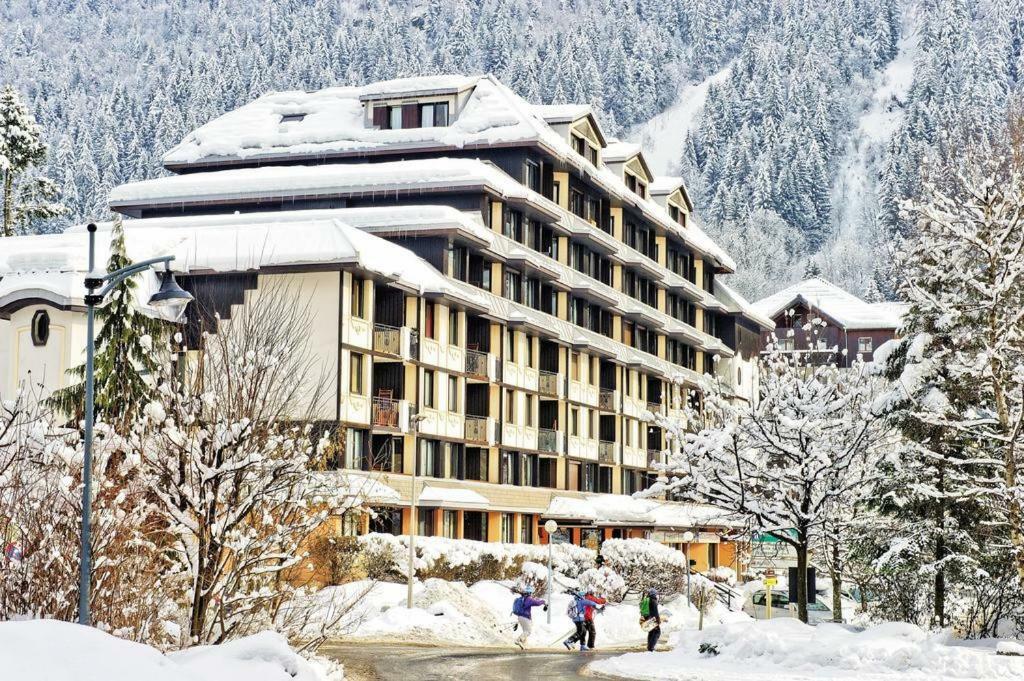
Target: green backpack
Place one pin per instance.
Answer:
(645, 607)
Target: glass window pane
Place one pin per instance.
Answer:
(427, 116)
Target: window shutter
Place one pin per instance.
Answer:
(410, 116)
(380, 117)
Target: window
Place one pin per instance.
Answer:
(510, 406)
(456, 461)
(293, 118)
(576, 203)
(529, 351)
(40, 328)
(529, 411)
(510, 345)
(355, 378)
(533, 176)
(556, 192)
(428, 388)
(453, 393)
(526, 528)
(395, 117)
(450, 524)
(425, 522)
(508, 528)
(864, 344)
(574, 421)
(579, 145)
(434, 115)
(430, 463)
(355, 447)
(786, 344)
(358, 299)
(453, 326)
(574, 368)
(514, 286)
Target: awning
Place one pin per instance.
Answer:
(452, 497)
(353, 489)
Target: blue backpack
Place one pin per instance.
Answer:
(519, 608)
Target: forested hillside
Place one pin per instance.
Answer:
(810, 135)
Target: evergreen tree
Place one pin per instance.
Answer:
(24, 197)
(124, 351)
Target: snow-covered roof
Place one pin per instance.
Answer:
(352, 488)
(562, 113)
(620, 151)
(842, 307)
(736, 303)
(421, 85)
(625, 510)
(665, 184)
(452, 497)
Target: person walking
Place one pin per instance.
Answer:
(522, 608)
(650, 618)
(577, 612)
(588, 619)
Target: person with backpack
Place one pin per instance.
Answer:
(522, 608)
(588, 619)
(577, 612)
(650, 618)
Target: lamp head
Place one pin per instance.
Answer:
(171, 298)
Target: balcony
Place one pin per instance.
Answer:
(478, 364)
(481, 430)
(396, 341)
(387, 412)
(654, 407)
(549, 384)
(654, 458)
(549, 440)
(606, 451)
(606, 400)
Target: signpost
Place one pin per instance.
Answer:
(769, 581)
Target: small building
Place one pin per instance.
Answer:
(852, 325)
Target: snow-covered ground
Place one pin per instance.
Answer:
(663, 137)
(48, 650)
(450, 613)
(787, 650)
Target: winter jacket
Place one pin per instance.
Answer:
(581, 608)
(652, 608)
(523, 606)
(590, 610)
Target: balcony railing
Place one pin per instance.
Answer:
(549, 383)
(654, 457)
(477, 429)
(385, 412)
(654, 407)
(387, 339)
(606, 451)
(606, 400)
(547, 440)
(476, 363)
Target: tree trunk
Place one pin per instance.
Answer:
(939, 612)
(8, 198)
(801, 579)
(837, 584)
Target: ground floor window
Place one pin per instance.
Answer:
(508, 528)
(526, 529)
(474, 525)
(386, 520)
(450, 524)
(425, 522)
(712, 555)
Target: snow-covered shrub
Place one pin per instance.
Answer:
(569, 559)
(722, 574)
(604, 582)
(645, 564)
(381, 556)
(533, 575)
(341, 558)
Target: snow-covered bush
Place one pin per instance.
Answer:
(723, 574)
(645, 564)
(604, 582)
(381, 556)
(534, 575)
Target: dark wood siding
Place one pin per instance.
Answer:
(410, 115)
(380, 117)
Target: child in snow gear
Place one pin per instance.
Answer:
(588, 619)
(649, 617)
(577, 612)
(522, 608)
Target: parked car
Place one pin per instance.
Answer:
(818, 610)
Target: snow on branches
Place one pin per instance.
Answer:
(790, 460)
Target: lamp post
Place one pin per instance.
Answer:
(550, 527)
(416, 421)
(687, 538)
(170, 297)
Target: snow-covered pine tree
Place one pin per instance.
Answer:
(960, 369)
(24, 196)
(124, 351)
(788, 462)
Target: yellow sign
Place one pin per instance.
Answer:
(770, 581)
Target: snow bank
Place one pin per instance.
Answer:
(57, 651)
(786, 649)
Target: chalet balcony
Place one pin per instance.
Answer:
(654, 458)
(606, 400)
(549, 440)
(396, 341)
(655, 408)
(481, 430)
(606, 451)
(387, 412)
(549, 384)
(478, 364)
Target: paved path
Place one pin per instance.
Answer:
(377, 662)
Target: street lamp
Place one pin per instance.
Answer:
(687, 538)
(171, 298)
(416, 421)
(550, 527)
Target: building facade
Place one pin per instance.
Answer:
(502, 297)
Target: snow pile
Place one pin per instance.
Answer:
(29, 650)
(604, 581)
(786, 649)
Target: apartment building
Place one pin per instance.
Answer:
(502, 296)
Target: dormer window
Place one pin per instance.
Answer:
(410, 115)
(579, 145)
(293, 118)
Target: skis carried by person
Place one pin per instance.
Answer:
(522, 609)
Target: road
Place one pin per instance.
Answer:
(376, 662)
